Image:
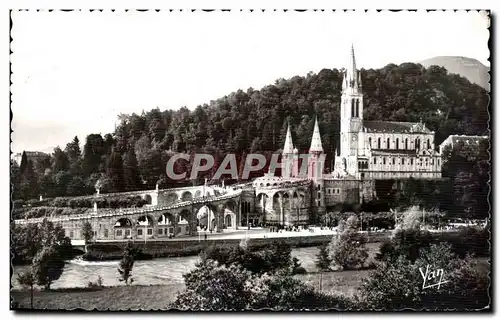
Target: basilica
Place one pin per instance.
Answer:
(369, 151)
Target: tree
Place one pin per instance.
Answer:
(26, 242)
(24, 162)
(323, 261)
(74, 156)
(348, 249)
(115, 172)
(87, 232)
(15, 176)
(216, 287)
(47, 266)
(93, 152)
(466, 286)
(61, 161)
(55, 237)
(132, 176)
(126, 264)
(29, 182)
(26, 279)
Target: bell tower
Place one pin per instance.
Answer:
(351, 116)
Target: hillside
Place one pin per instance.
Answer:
(136, 154)
(468, 68)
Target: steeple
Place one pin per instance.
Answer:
(352, 59)
(351, 71)
(316, 145)
(288, 147)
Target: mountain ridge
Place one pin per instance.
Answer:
(469, 68)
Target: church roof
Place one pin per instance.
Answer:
(391, 152)
(316, 145)
(288, 148)
(395, 127)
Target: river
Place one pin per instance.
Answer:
(77, 272)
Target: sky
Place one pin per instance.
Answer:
(74, 72)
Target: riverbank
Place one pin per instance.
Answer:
(113, 250)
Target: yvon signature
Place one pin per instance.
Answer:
(432, 278)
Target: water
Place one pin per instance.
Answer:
(161, 271)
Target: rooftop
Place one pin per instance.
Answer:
(395, 127)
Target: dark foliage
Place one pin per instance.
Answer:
(253, 121)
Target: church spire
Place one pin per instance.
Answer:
(288, 147)
(352, 59)
(351, 71)
(316, 145)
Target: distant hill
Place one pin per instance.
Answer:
(471, 69)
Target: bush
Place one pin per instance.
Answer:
(466, 288)
(348, 249)
(97, 284)
(47, 266)
(409, 242)
(216, 287)
(277, 257)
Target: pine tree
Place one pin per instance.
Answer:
(87, 232)
(73, 150)
(24, 163)
(126, 265)
(92, 154)
(132, 176)
(323, 261)
(115, 172)
(28, 185)
(74, 156)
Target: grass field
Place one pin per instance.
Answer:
(112, 298)
(158, 297)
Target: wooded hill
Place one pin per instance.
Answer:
(135, 155)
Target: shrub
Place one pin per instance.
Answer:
(216, 287)
(97, 284)
(348, 249)
(323, 261)
(466, 288)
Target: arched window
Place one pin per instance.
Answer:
(352, 108)
(417, 143)
(357, 108)
(397, 143)
(370, 142)
(428, 143)
(394, 160)
(406, 144)
(388, 143)
(374, 160)
(403, 161)
(379, 143)
(384, 160)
